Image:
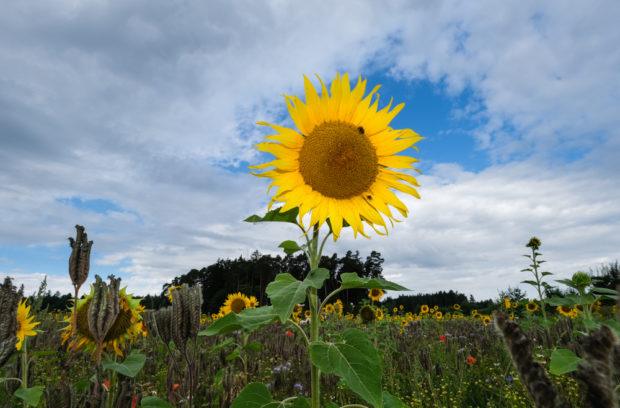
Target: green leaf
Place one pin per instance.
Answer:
(130, 367)
(254, 346)
(302, 403)
(558, 301)
(154, 402)
(546, 273)
(248, 320)
(567, 282)
(254, 395)
(355, 360)
(613, 325)
(290, 247)
(286, 291)
(234, 354)
(223, 344)
(390, 401)
(353, 281)
(82, 384)
(563, 361)
(30, 396)
(605, 291)
(530, 282)
(276, 216)
(44, 353)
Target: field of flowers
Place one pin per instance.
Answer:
(429, 357)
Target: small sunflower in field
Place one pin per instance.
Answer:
(379, 314)
(404, 323)
(457, 306)
(375, 294)
(401, 307)
(565, 310)
(486, 319)
(448, 316)
(349, 316)
(329, 308)
(395, 310)
(25, 325)
(252, 302)
(367, 314)
(424, 309)
(337, 162)
(507, 303)
(307, 314)
(438, 315)
(338, 307)
(531, 306)
(511, 316)
(515, 305)
(235, 303)
(126, 326)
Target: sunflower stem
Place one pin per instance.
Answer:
(315, 373)
(25, 365)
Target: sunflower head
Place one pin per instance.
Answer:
(565, 310)
(424, 309)
(375, 294)
(123, 328)
(337, 162)
(534, 243)
(379, 313)
(235, 303)
(367, 314)
(457, 306)
(531, 306)
(438, 315)
(25, 325)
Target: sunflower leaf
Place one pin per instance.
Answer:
(353, 281)
(289, 247)
(355, 360)
(130, 367)
(254, 395)
(248, 320)
(276, 216)
(154, 402)
(30, 396)
(286, 291)
(390, 401)
(563, 361)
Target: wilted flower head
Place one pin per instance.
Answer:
(534, 243)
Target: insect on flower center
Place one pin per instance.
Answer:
(237, 305)
(338, 160)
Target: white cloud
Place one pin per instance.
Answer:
(139, 103)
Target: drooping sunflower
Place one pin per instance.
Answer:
(367, 314)
(170, 290)
(125, 327)
(25, 325)
(235, 303)
(531, 306)
(375, 294)
(337, 163)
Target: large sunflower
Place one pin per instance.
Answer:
(126, 326)
(336, 164)
(235, 303)
(25, 325)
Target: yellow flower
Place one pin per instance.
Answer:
(379, 314)
(565, 310)
(170, 289)
(126, 326)
(307, 314)
(435, 307)
(401, 307)
(337, 163)
(531, 306)
(507, 303)
(448, 316)
(438, 315)
(515, 305)
(486, 319)
(338, 307)
(511, 316)
(375, 294)
(403, 323)
(457, 306)
(252, 302)
(349, 316)
(235, 303)
(424, 309)
(395, 310)
(25, 325)
(329, 308)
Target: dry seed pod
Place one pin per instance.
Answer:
(532, 374)
(60, 396)
(158, 322)
(79, 261)
(596, 374)
(9, 300)
(186, 309)
(104, 307)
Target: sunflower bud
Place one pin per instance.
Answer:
(79, 261)
(9, 300)
(534, 243)
(186, 304)
(104, 307)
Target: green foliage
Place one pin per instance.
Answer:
(30, 396)
(356, 360)
(248, 320)
(563, 361)
(276, 216)
(154, 402)
(290, 247)
(286, 291)
(130, 367)
(257, 395)
(353, 281)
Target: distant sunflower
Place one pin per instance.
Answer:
(126, 326)
(438, 315)
(252, 302)
(531, 306)
(338, 307)
(336, 164)
(515, 305)
(403, 323)
(507, 303)
(367, 314)
(379, 313)
(486, 319)
(375, 294)
(395, 310)
(235, 303)
(329, 308)
(307, 314)
(565, 310)
(457, 306)
(25, 325)
(424, 309)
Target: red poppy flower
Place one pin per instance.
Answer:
(289, 333)
(442, 338)
(175, 386)
(471, 360)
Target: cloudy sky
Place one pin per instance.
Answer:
(137, 120)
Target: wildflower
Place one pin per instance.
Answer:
(457, 306)
(424, 309)
(507, 303)
(531, 306)
(298, 386)
(375, 294)
(336, 164)
(289, 333)
(442, 338)
(175, 386)
(106, 384)
(471, 360)
(509, 378)
(25, 325)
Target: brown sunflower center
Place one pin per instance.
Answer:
(237, 305)
(338, 160)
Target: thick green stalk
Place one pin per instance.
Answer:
(538, 282)
(315, 310)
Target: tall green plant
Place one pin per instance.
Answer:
(537, 283)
